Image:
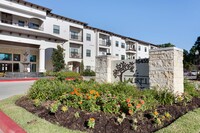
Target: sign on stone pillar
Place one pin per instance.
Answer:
(163, 70)
(166, 69)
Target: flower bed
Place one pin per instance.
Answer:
(90, 106)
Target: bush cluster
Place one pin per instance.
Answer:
(109, 98)
(88, 72)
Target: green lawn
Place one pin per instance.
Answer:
(189, 123)
(28, 121)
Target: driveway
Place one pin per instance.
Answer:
(8, 89)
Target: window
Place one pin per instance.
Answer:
(145, 49)
(5, 56)
(139, 48)
(16, 67)
(33, 67)
(33, 26)
(88, 37)
(74, 35)
(56, 29)
(116, 54)
(21, 23)
(74, 53)
(16, 57)
(32, 58)
(117, 44)
(88, 53)
(122, 57)
(88, 67)
(123, 45)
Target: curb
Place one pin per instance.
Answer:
(7, 125)
(16, 80)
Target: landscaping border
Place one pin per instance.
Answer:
(7, 125)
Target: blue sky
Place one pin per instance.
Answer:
(155, 21)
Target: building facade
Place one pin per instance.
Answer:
(29, 32)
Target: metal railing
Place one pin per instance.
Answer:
(76, 37)
(106, 43)
(75, 55)
(26, 25)
(130, 49)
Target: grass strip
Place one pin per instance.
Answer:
(28, 121)
(188, 123)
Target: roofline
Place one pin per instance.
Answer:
(31, 4)
(66, 18)
(79, 22)
(124, 37)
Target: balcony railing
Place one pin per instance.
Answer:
(75, 55)
(130, 49)
(76, 37)
(26, 25)
(106, 43)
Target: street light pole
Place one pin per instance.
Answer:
(197, 62)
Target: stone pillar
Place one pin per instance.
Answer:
(42, 60)
(166, 69)
(104, 68)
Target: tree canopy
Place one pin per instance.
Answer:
(166, 45)
(58, 59)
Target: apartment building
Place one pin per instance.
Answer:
(29, 32)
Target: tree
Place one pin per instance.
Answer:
(58, 59)
(166, 45)
(122, 68)
(81, 67)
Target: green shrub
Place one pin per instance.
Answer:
(50, 73)
(88, 72)
(110, 98)
(165, 97)
(63, 75)
(1, 74)
(47, 89)
(190, 89)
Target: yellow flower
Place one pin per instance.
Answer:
(92, 119)
(64, 108)
(156, 113)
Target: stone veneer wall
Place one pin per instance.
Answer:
(166, 69)
(104, 68)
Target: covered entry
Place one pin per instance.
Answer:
(74, 66)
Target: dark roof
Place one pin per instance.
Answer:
(68, 19)
(32, 5)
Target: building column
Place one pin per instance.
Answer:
(42, 60)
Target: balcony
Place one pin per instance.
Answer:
(75, 55)
(130, 49)
(76, 37)
(29, 25)
(106, 43)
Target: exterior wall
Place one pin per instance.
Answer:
(90, 45)
(141, 53)
(118, 50)
(45, 38)
(21, 10)
(166, 69)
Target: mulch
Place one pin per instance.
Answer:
(107, 123)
